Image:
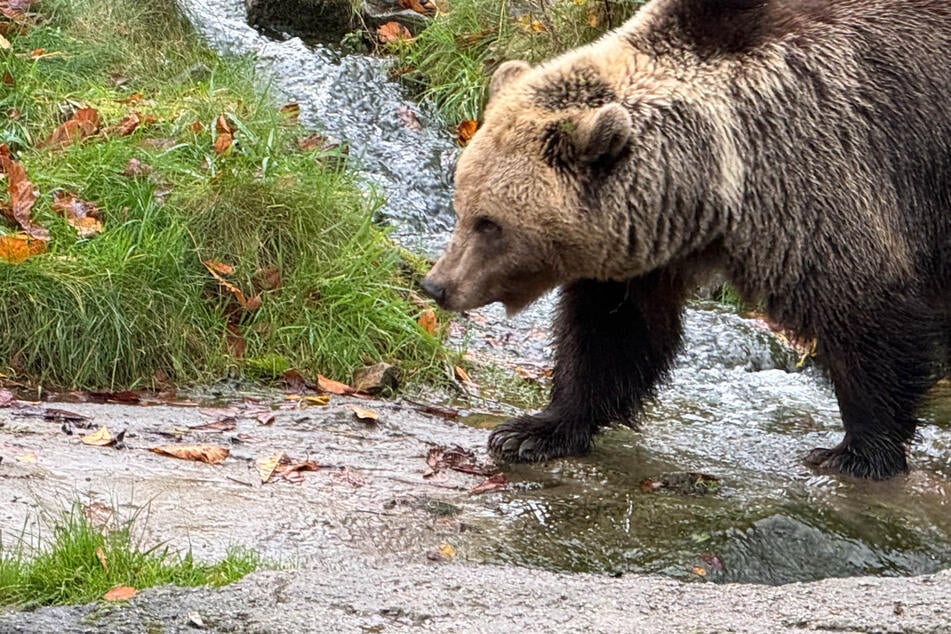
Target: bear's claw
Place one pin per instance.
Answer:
(844, 460)
(534, 439)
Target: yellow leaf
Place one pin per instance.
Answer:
(101, 438)
(120, 593)
(321, 399)
(447, 551)
(101, 556)
(267, 465)
(463, 376)
(364, 414)
(4, 43)
(699, 571)
(27, 458)
(211, 454)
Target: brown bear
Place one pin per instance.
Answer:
(801, 147)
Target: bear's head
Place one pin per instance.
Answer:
(526, 186)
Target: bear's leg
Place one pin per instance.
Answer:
(880, 375)
(614, 341)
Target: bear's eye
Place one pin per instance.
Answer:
(486, 226)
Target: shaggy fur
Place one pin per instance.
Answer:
(803, 147)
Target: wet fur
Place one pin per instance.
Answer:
(802, 145)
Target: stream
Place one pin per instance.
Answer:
(712, 485)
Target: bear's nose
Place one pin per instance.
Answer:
(435, 290)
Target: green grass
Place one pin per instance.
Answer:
(452, 59)
(134, 306)
(68, 568)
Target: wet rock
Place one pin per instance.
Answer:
(376, 13)
(322, 20)
(377, 378)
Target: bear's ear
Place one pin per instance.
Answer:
(602, 136)
(506, 72)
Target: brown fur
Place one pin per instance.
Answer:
(802, 146)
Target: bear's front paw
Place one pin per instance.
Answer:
(879, 464)
(537, 439)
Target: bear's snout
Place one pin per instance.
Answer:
(435, 290)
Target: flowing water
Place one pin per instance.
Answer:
(712, 484)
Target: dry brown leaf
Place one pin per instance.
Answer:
(312, 142)
(268, 278)
(267, 465)
(100, 438)
(222, 126)
(126, 125)
(463, 376)
(82, 216)
(248, 303)
(235, 341)
(291, 471)
(136, 168)
(83, 123)
(21, 195)
(15, 9)
(334, 387)
(196, 126)
(222, 143)
(212, 454)
(224, 424)
(428, 322)
(290, 112)
(497, 482)
(392, 32)
(465, 130)
(363, 413)
(101, 556)
(18, 247)
(120, 593)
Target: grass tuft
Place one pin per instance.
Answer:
(80, 562)
(134, 306)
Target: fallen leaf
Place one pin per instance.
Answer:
(265, 418)
(364, 414)
(492, 484)
(218, 267)
(15, 9)
(312, 142)
(101, 556)
(290, 112)
(136, 168)
(445, 552)
(291, 471)
(268, 278)
(21, 194)
(101, 438)
(334, 387)
(63, 415)
(455, 458)
(120, 593)
(267, 465)
(224, 424)
(211, 454)
(428, 322)
(125, 126)
(222, 143)
(222, 126)
(235, 341)
(294, 380)
(18, 247)
(131, 99)
(83, 123)
(248, 303)
(27, 458)
(82, 216)
(465, 130)
(320, 399)
(196, 126)
(5, 43)
(700, 571)
(593, 20)
(463, 376)
(393, 32)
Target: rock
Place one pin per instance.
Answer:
(376, 13)
(322, 20)
(376, 378)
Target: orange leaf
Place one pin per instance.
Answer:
(18, 247)
(334, 387)
(80, 215)
(22, 195)
(465, 130)
(417, 6)
(428, 322)
(196, 126)
(222, 143)
(222, 126)
(101, 438)
(212, 454)
(393, 32)
(101, 556)
(218, 267)
(312, 142)
(133, 98)
(83, 123)
(120, 593)
(126, 125)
